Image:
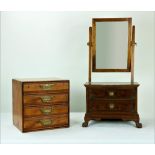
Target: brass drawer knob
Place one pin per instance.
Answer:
(111, 93)
(46, 99)
(111, 106)
(46, 86)
(46, 122)
(46, 111)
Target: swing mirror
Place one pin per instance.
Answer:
(111, 44)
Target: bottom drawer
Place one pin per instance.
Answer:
(112, 106)
(31, 124)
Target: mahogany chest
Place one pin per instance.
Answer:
(40, 104)
(111, 101)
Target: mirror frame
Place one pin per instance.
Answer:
(93, 49)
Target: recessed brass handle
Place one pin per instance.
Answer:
(46, 111)
(46, 86)
(111, 106)
(46, 122)
(46, 99)
(111, 93)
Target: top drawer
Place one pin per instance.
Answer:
(113, 93)
(44, 86)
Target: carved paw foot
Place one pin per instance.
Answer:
(138, 125)
(85, 124)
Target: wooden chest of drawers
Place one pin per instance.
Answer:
(40, 104)
(111, 101)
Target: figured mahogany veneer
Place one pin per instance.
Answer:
(111, 101)
(40, 104)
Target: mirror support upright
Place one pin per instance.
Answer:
(90, 53)
(133, 43)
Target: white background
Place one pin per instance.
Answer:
(77, 5)
(80, 5)
(53, 44)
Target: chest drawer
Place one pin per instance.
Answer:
(112, 93)
(45, 87)
(45, 110)
(112, 105)
(46, 122)
(45, 99)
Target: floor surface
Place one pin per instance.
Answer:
(98, 132)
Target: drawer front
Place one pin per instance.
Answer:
(46, 122)
(112, 93)
(112, 106)
(45, 99)
(41, 87)
(45, 110)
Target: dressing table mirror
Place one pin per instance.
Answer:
(111, 49)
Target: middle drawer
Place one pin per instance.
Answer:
(45, 99)
(32, 111)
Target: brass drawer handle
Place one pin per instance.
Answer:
(46, 111)
(46, 99)
(46, 86)
(111, 106)
(46, 122)
(111, 93)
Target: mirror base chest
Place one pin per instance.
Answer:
(111, 101)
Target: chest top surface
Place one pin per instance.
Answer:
(111, 84)
(40, 79)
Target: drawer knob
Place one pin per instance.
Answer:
(111, 93)
(46, 111)
(46, 99)
(46, 86)
(111, 106)
(46, 122)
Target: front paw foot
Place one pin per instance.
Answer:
(85, 124)
(138, 125)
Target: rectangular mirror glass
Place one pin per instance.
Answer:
(111, 44)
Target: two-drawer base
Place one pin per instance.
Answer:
(111, 101)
